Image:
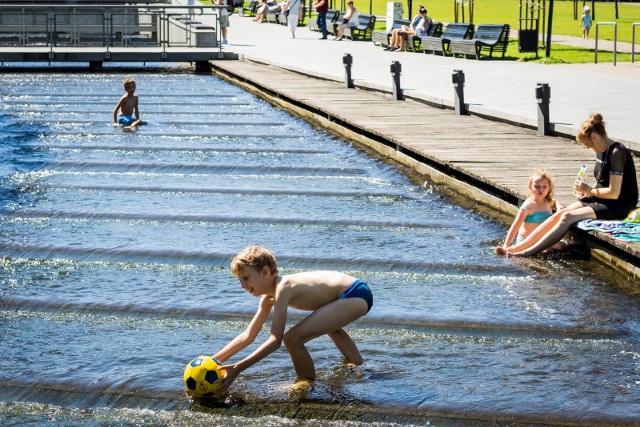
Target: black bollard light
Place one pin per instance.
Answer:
(347, 61)
(396, 69)
(543, 93)
(458, 88)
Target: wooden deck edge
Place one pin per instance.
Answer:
(603, 248)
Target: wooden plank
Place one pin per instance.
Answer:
(499, 154)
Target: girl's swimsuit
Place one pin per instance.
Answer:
(537, 217)
(359, 289)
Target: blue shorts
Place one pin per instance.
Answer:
(125, 120)
(359, 289)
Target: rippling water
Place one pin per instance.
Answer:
(114, 275)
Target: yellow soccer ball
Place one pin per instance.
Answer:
(200, 375)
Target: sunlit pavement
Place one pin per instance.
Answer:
(504, 89)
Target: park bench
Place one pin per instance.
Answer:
(488, 37)
(364, 28)
(251, 8)
(332, 27)
(441, 44)
(414, 43)
(332, 17)
(382, 38)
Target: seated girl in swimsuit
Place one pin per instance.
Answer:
(535, 210)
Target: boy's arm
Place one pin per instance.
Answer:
(249, 335)
(115, 111)
(283, 294)
(136, 111)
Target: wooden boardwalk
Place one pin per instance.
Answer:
(489, 161)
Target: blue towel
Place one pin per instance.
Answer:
(625, 231)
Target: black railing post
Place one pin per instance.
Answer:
(396, 69)
(543, 93)
(347, 61)
(458, 88)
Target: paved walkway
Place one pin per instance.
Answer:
(502, 89)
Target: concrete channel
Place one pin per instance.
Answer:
(457, 151)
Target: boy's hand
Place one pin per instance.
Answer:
(227, 380)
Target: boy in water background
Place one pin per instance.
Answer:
(335, 300)
(126, 112)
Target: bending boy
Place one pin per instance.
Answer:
(127, 107)
(335, 300)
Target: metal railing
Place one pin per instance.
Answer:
(615, 40)
(110, 26)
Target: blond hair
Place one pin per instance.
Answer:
(255, 257)
(596, 124)
(128, 80)
(541, 173)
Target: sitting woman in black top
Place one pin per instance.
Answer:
(613, 197)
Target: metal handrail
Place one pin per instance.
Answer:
(105, 26)
(615, 40)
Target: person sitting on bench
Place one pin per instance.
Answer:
(269, 7)
(419, 26)
(350, 19)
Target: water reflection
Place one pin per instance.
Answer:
(114, 273)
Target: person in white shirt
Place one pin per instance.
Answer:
(350, 20)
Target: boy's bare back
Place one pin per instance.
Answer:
(313, 289)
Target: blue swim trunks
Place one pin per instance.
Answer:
(125, 120)
(359, 289)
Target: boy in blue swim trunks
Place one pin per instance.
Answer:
(335, 300)
(126, 112)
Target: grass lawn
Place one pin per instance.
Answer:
(508, 11)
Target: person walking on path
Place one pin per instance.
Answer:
(585, 22)
(224, 19)
(322, 7)
(292, 9)
(613, 197)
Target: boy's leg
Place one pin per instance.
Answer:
(327, 319)
(347, 347)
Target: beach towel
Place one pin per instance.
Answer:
(621, 230)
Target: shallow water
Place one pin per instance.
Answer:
(114, 276)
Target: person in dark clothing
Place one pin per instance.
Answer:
(614, 195)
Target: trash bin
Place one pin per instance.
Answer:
(394, 11)
(528, 41)
(528, 35)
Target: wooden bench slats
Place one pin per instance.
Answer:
(382, 37)
(332, 16)
(250, 10)
(488, 38)
(364, 29)
(453, 31)
(415, 43)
